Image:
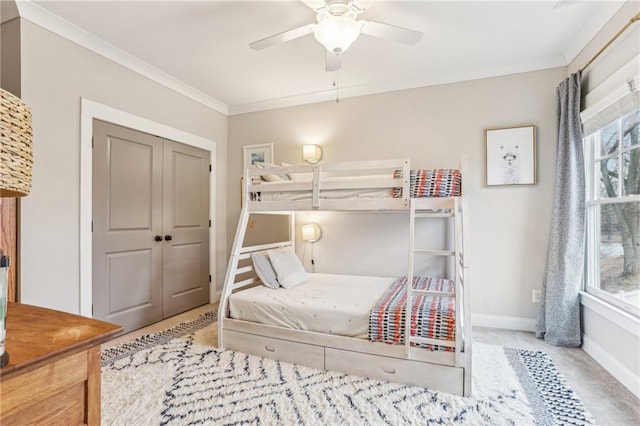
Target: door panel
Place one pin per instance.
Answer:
(127, 214)
(187, 277)
(186, 219)
(130, 186)
(123, 269)
(188, 189)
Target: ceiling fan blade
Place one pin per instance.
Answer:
(314, 4)
(282, 37)
(563, 3)
(334, 62)
(390, 32)
(362, 5)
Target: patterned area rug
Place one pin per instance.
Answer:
(171, 378)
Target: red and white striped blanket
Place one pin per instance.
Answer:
(431, 183)
(433, 316)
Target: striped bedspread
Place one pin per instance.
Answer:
(431, 183)
(434, 316)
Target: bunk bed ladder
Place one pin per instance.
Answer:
(458, 283)
(410, 319)
(407, 311)
(463, 307)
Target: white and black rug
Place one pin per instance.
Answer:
(170, 378)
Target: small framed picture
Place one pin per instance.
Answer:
(510, 156)
(253, 154)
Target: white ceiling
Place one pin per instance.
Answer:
(204, 44)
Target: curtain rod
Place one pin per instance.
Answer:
(614, 38)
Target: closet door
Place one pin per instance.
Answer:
(127, 217)
(186, 228)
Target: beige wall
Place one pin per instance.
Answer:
(616, 347)
(434, 127)
(56, 74)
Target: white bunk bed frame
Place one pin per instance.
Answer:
(448, 371)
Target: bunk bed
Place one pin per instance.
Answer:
(413, 330)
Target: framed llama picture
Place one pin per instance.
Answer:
(510, 156)
(253, 154)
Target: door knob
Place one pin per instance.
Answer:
(158, 238)
(168, 238)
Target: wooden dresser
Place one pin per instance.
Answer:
(53, 375)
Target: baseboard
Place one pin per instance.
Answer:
(625, 376)
(507, 323)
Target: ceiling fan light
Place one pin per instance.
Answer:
(337, 33)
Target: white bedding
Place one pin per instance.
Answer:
(333, 194)
(328, 303)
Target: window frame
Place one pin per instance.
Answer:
(594, 202)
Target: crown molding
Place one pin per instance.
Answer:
(553, 61)
(590, 28)
(42, 17)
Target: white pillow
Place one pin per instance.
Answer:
(301, 177)
(264, 270)
(298, 177)
(289, 270)
(271, 177)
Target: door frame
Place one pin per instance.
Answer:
(90, 110)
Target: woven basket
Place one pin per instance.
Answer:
(16, 154)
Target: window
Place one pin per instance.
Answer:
(612, 155)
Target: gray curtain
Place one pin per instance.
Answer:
(559, 315)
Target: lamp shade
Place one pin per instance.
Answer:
(311, 232)
(311, 153)
(337, 33)
(16, 141)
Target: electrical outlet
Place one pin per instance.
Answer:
(536, 296)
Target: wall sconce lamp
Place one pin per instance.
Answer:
(16, 160)
(311, 232)
(311, 153)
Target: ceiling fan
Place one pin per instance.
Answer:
(337, 29)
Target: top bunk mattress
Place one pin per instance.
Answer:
(331, 194)
(327, 303)
(423, 183)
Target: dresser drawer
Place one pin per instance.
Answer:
(442, 377)
(268, 347)
(42, 384)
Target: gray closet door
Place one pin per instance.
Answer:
(150, 227)
(127, 215)
(186, 226)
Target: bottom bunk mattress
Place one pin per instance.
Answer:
(353, 306)
(327, 303)
(432, 316)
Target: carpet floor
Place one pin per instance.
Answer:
(171, 378)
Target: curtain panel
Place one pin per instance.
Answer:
(559, 316)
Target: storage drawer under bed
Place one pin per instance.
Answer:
(269, 347)
(434, 376)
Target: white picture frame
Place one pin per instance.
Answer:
(261, 153)
(510, 156)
